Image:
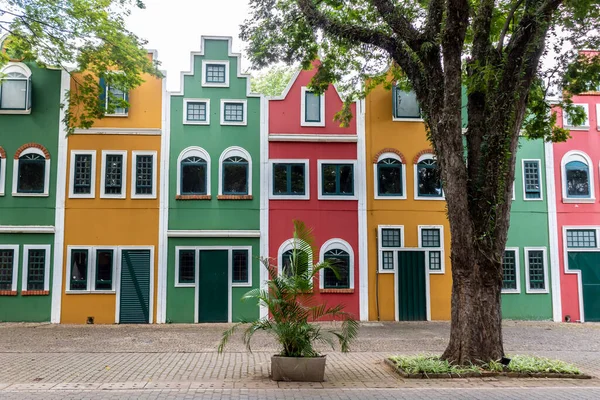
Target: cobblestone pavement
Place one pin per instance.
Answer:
(180, 361)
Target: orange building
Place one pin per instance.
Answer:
(112, 212)
(409, 276)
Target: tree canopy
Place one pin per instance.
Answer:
(273, 81)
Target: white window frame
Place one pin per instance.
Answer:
(585, 126)
(196, 266)
(235, 151)
(91, 269)
(597, 114)
(394, 250)
(321, 196)
(241, 284)
(190, 152)
(2, 175)
(442, 269)
(340, 244)
(234, 123)
(215, 84)
(306, 162)
(427, 156)
(92, 194)
(576, 155)
(123, 194)
(539, 161)
(526, 251)
(376, 177)
(404, 119)
(22, 69)
(106, 99)
(303, 121)
(15, 277)
(517, 271)
(289, 245)
(26, 248)
(155, 166)
(31, 150)
(185, 114)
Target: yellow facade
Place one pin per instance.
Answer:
(408, 139)
(110, 222)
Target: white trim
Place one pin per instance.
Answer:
(17, 67)
(576, 155)
(270, 186)
(92, 193)
(198, 152)
(597, 114)
(312, 137)
(107, 88)
(539, 162)
(376, 177)
(23, 69)
(289, 244)
(2, 175)
(103, 194)
(586, 124)
(155, 166)
(119, 131)
(321, 196)
(161, 300)
(27, 229)
(381, 249)
(363, 260)
(24, 270)
(31, 150)
(264, 200)
(215, 84)
(214, 233)
(427, 156)
(526, 250)
(339, 244)
(185, 104)
(117, 281)
(235, 151)
(244, 121)
(440, 228)
(91, 269)
(553, 233)
(240, 284)
(517, 271)
(196, 266)
(303, 122)
(404, 119)
(15, 272)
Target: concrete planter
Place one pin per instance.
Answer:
(298, 369)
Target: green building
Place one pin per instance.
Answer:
(214, 194)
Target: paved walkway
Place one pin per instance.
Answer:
(180, 361)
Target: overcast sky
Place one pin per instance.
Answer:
(174, 27)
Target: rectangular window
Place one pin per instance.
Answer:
(581, 238)
(312, 107)
(114, 98)
(240, 266)
(430, 237)
(536, 270)
(104, 269)
(7, 268)
(215, 73)
(390, 237)
(289, 179)
(113, 176)
(14, 92)
(405, 104)
(531, 179)
(144, 174)
(435, 260)
(509, 270)
(83, 174)
(569, 124)
(196, 111)
(233, 112)
(388, 260)
(79, 269)
(187, 266)
(337, 179)
(36, 269)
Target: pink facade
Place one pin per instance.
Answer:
(320, 145)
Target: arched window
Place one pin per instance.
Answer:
(235, 173)
(292, 257)
(193, 173)
(339, 254)
(15, 88)
(390, 176)
(31, 172)
(428, 180)
(578, 184)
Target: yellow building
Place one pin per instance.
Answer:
(409, 274)
(112, 213)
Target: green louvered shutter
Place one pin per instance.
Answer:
(135, 287)
(412, 305)
(102, 84)
(394, 101)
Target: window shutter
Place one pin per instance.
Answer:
(102, 84)
(127, 100)
(394, 102)
(29, 90)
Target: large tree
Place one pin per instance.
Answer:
(87, 38)
(492, 48)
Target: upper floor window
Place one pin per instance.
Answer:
(581, 238)
(340, 256)
(233, 112)
(215, 73)
(578, 178)
(312, 108)
(289, 179)
(294, 262)
(389, 178)
(235, 172)
(196, 111)
(31, 173)
(336, 180)
(143, 174)
(532, 187)
(15, 89)
(113, 177)
(428, 182)
(586, 124)
(83, 173)
(2, 170)
(114, 99)
(405, 104)
(193, 175)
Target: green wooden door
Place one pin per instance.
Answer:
(134, 298)
(589, 265)
(213, 286)
(412, 305)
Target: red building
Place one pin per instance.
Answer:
(314, 176)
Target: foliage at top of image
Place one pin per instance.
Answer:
(273, 81)
(87, 36)
(292, 306)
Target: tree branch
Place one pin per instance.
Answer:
(434, 19)
(510, 16)
(399, 23)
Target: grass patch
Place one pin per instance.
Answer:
(430, 364)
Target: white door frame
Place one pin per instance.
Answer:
(427, 291)
(118, 283)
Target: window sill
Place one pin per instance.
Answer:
(193, 197)
(30, 194)
(398, 197)
(510, 291)
(117, 115)
(313, 124)
(234, 197)
(35, 293)
(196, 123)
(577, 128)
(430, 198)
(233, 123)
(575, 201)
(338, 291)
(407, 119)
(90, 292)
(8, 292)
(21, 112)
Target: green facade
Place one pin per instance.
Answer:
(192, 217)
(41, 127)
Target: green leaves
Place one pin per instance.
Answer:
(273, 81)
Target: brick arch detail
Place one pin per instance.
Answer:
(2, 153)
(389, 150)
(30, 145)
(422, 152)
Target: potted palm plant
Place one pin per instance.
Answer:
(293, 311)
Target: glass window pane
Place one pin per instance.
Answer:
(407, 105)
(187, 266)
(388, 260)
(14, 94)
(536, 269)
(83, 174)
(509, 270)
(280, 179)
(196, 111)
(235, 177)
(297, 179)
(294, 261)
(104, 269)
(340, 260)
(7, 257)
(32, 174)
(430, 237)
(193, 176)
(389, 178)
(578, 180)
(79, 269)
(36, 269)
(430, 184)
(117, 96)
(215, 73)
(435, 260)
(144, 173)
(346, 179)
(234, 112)
(113, 179)
(531, 176)
(581, 238)
(390, 237)
(240, 266)
(329, 173)
(312, 107)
